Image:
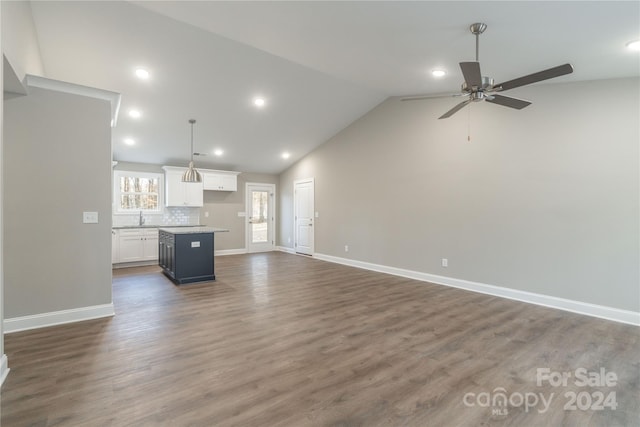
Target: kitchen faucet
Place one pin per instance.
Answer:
(141, 220)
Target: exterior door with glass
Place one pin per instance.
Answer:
(260, 217)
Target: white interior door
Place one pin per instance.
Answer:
(260, 217)
(303, 202)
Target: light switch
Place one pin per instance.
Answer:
(90, 217)
(242, 214)
(317, 214)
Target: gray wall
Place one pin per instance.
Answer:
(223, 208)
(57, 164)
(544, 200)
(21, 51)
(2, 355)
(139, 167)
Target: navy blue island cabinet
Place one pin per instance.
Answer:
(186, 254)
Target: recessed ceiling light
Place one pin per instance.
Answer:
(438, 73)
(286, 155)
(259, 102)
(129, 141)
(141, 73)
(136, 114)
(634, 45)
(218, 152)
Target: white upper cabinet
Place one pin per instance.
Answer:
(219, 180)
(178, 193)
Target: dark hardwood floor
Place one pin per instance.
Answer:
(285, 340)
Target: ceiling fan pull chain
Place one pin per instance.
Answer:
(469, 124)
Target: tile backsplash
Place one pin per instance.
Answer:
(170, 216)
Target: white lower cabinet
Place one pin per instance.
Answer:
(137, 244)
(150, 245)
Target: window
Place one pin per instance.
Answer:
(137, 191)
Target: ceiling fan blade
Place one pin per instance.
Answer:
(455, 109)
(471, 73)
(421, 97)
(508, 101)
(551, 73)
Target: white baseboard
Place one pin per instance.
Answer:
(286, 249)
(42, 320)
(134, 264)
(594, 310)
(224, 252)
(4, 368)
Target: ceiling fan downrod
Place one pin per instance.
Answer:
(477, 29)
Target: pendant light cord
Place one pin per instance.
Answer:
(191, 174)
(192, 121)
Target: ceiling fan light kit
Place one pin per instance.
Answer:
(192, 174)
(477, 87)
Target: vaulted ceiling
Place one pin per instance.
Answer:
(318, 65)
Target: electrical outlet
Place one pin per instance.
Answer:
(346, 248)
(288, 239)
(445, 262)
(206, 214)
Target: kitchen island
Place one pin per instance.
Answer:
(186, 254)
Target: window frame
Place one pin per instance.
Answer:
(117, 174)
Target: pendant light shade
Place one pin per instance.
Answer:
(192, 174)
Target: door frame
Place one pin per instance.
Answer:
(313, 214)
(247, 225)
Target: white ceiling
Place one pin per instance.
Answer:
(320, 65)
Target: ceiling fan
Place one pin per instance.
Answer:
(478, 88)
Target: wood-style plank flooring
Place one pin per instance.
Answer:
(285, 340)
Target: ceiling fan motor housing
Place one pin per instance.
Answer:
(487, 84)
(479, 96)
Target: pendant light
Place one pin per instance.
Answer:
(192, 174)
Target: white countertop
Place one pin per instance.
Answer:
(193, 230)
(153, 226)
